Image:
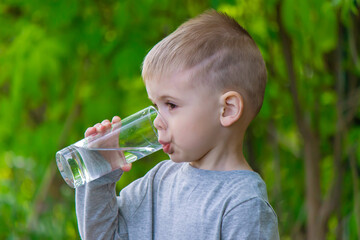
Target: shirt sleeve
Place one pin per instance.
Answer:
(253, 219)
(97, 210)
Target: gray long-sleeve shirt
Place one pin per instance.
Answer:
(177, 201)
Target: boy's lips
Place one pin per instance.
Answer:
(165, 146)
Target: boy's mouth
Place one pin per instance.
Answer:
(165, 146)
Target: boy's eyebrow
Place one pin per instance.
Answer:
(164, 97)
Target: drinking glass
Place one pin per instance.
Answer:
(94, 156)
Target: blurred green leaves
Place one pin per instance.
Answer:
(66, 65)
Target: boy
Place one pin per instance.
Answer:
(207, 80)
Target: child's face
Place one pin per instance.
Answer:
(189, 124)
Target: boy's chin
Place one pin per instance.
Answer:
(175, 159)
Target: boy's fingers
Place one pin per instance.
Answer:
(100, 127)
(115, 119)
(105, 122)
(126, 167)
(90, 131)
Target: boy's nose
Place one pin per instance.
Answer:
(160, 123)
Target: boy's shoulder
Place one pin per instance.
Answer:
(164, 166)
(240, 184)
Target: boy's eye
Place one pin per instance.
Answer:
(155, 106)
(171, 105)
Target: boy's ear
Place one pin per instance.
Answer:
(232, 107)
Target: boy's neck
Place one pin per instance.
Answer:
(222, 166)
(227, 156)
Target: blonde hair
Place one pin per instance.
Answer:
(222, 53)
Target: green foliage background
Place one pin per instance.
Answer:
(67, 64)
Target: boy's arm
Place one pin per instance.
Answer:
(96, 202)
(97, 209)
(253, 219)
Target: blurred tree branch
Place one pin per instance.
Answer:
(50, 174)
(311, 143)
(356, 186)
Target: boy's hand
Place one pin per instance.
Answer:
(111, 156)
